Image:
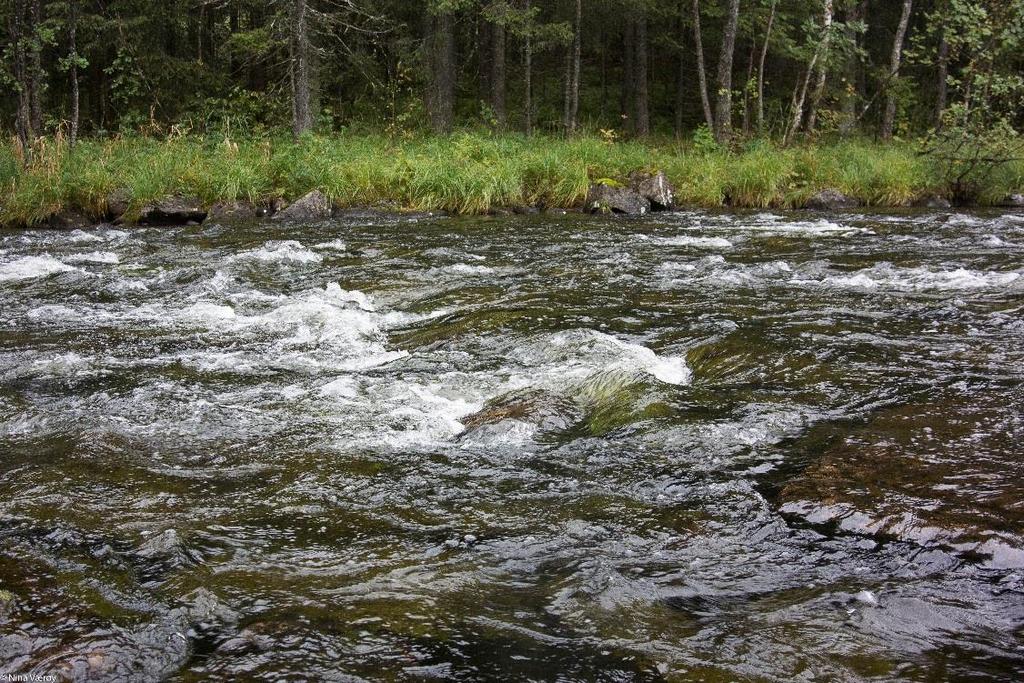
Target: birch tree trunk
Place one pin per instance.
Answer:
(819, 86)
(760, 69)
(702, 76)
(889, 119)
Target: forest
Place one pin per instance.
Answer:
(938, 78)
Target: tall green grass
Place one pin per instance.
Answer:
(469, 172)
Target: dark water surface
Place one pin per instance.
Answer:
(691, 447)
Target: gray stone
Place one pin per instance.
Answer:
(1014, 201)
(658, 191)
(233, 212)
(118, 202)
(312, 206)
(67, 220)
(173, 211)
(608, 199)
(936, 202)
(831, 200)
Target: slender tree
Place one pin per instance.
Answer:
(760, 67)
(301, 82)
(642, 105)
(819, 86)
(441, 94)
(889, 118)
(723, 107)
(498, 65)
(702, 77)
(73, 68)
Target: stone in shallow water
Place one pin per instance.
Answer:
(604, 198)
(312, 206)
(658, 191)
(235, 211)
(831, 200)
(173, 211)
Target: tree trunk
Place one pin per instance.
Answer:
(942, 85)
(73, 50)
(302, 115)
(498, 72)
(643, 105)
(36, 73)
(851, 70)
(441, 97)
(528, 76)
(702, 76)
(889, 119)
(17, 30)
(746, 89)
(723, 106)
(577, 50)
(680, 74)
(800, 92)
(760, 69)
(626, 96)
(819, 86)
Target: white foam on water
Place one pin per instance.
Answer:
(579, 354)
(83, 237)
(885, 276)
(466, 269)
(61, 364)
(107, 257)
(333, 245)
(32, 267)
(697, 242)
(806, 228)
(277, 251)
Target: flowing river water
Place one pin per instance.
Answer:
(695, 446)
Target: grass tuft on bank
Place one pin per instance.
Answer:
(471, 172)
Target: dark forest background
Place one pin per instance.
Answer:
(779, 68)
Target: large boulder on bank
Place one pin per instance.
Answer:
(831, 200)
(118, 202)
(935, 202)
(604, 198)
(173, 211)
(658, 191)
(68, 220)
(1014, 201)
(234, 212)
(312, 206)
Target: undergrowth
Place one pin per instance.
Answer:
(470, 172)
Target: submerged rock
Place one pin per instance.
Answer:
(539, 411)
(312, 206)
(830, 200)
(658, 191)
(604, 198)
(173, 211)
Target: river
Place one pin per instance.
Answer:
(694, 446)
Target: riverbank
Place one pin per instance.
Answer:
(469, 173)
